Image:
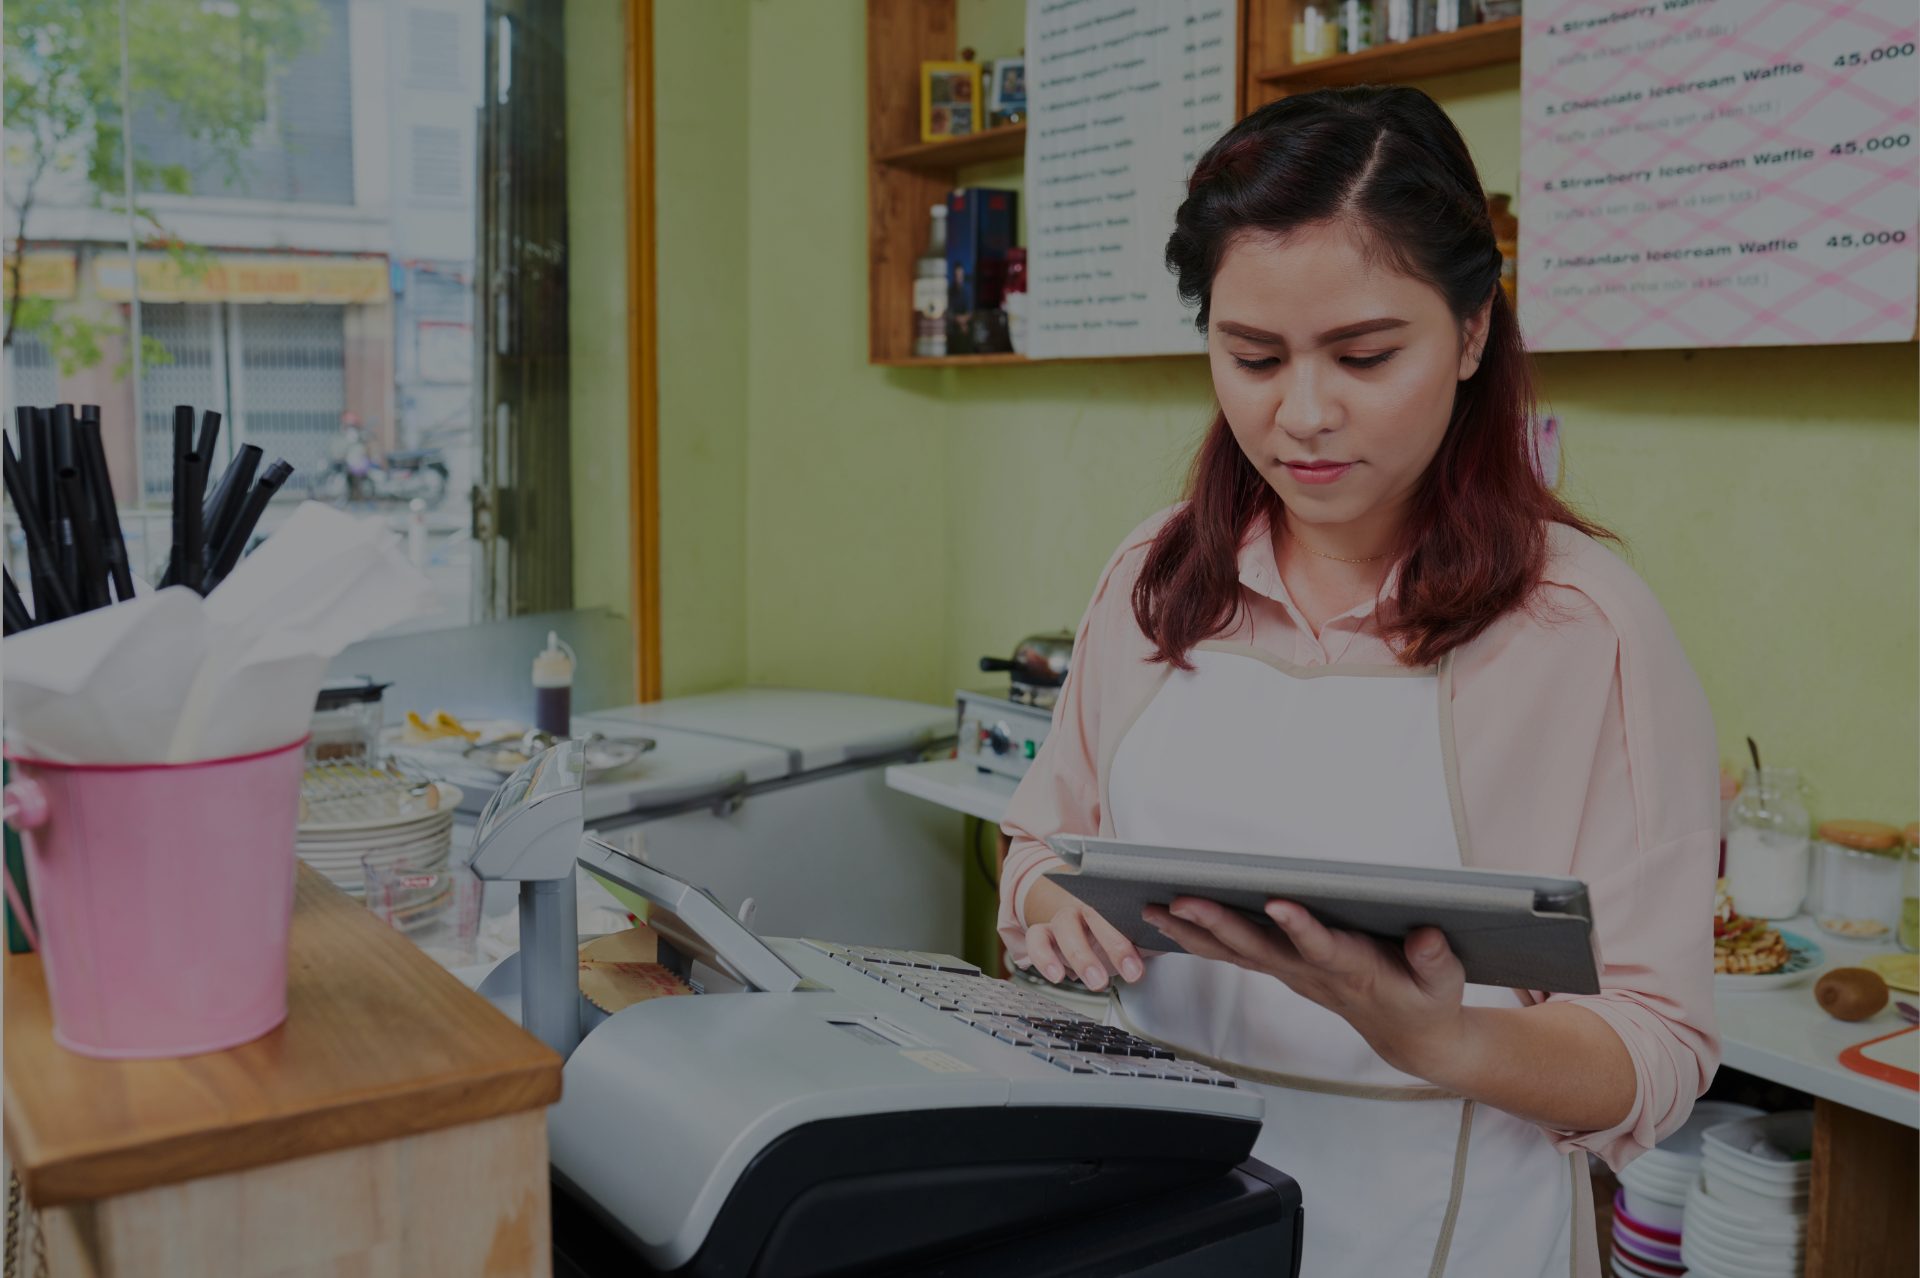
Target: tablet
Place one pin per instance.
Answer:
(1516, 930)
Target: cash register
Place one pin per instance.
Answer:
(825, 1108)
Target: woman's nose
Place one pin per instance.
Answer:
(1304, 409)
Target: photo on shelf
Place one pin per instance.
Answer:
(949, 99)
(1006, 81)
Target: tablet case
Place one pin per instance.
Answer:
(1514, 930)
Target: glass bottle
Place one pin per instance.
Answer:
(1768, 856)
(1017, 300)
(930, 288)
(1356, 26)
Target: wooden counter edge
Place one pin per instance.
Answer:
(64, 1167)
(170, 1160)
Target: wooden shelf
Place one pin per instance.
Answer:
(906, 176)
(1487, 44)
(952, 361)
(952, 153)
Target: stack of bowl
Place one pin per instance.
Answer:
(1747, 1210)
(1649, 1212)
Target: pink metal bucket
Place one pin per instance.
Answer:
(162, 895)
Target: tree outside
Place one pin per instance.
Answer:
(206, 66)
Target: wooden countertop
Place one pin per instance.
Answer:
(379, 1042)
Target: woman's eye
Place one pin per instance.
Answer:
(1367, 361)
(1255, 365)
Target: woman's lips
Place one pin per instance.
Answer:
(1317, 472)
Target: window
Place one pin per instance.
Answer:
(305, 254)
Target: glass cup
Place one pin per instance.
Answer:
(437, 908)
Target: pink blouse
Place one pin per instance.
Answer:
(1585, 748)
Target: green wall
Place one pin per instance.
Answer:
(898, 524)
(597, 303)
(702, 175)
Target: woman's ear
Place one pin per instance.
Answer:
(1473, 335)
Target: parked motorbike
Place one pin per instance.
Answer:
(401, 476)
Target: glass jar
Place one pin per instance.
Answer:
(1315, 34)
(1857, 869)
(1767, 852)
(1908, 935)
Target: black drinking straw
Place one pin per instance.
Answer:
(113, 545)
(179, 568)
(50, 597)
(236, 538)
(90, 577)
(60, 519)
(230, 495)
(23, 430)
(35, 446)
(209, 436)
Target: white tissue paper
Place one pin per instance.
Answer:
(172, 678)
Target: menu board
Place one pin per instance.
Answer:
(1123, 96)
(1718, 173)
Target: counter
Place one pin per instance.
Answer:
(395, 1123)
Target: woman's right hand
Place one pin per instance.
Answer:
(1066, 935)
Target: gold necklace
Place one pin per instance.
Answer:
(1342, 558)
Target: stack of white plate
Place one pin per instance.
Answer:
(1654, 1187)
(418, 841)
(1747, 1211)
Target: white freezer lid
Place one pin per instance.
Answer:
(816, 729)
(680, 767)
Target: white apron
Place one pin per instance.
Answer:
(1401, 1179)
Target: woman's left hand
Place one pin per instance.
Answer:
(1405, 1000)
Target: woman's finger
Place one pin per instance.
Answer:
(1070, 931)
(1433, 962)
(1196, 941)
(1234, 930)
(1044, 953)
(1120, 951)
(1316, 943)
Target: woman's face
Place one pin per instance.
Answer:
(1336, 375)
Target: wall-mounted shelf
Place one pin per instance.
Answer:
(1488, 44)
(954, 153)
(906, 176)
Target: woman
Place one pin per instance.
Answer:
(1371, 632)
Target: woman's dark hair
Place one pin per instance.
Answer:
(1388, 163)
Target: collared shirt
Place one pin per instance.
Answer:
(1585, 748)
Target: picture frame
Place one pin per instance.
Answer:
(1006, 83)
(949, 100)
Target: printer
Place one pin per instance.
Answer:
(826, 1108)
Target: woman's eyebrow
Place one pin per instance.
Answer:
(1248, 332)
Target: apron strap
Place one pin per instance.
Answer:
(1445, 1242)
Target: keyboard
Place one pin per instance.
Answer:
(1061, 1037)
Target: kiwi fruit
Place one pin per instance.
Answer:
(1851, 993)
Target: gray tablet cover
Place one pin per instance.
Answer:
(1513, 930)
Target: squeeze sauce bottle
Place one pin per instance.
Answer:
(553, 687)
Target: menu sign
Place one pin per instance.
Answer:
(1718, 173)
(1123, 97)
